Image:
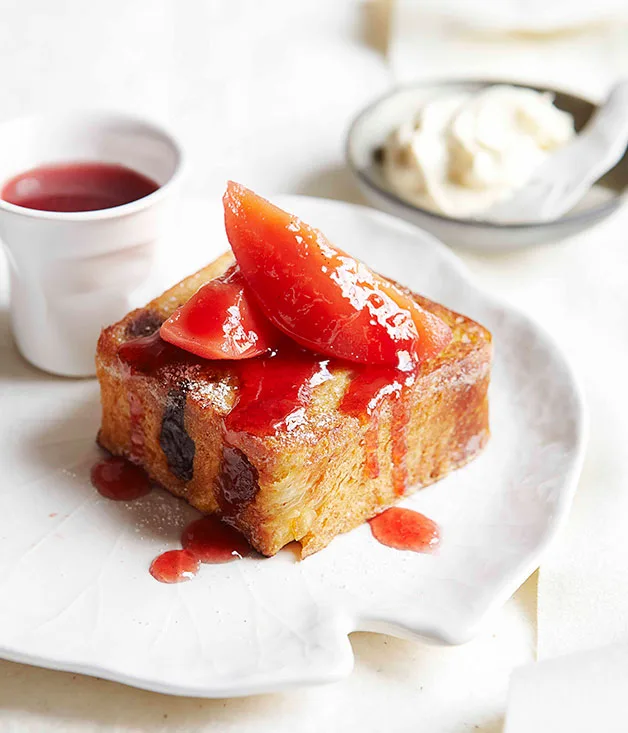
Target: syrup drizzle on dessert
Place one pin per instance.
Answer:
(273, 393)
(136, 413)
(118, 479)
(405, 529)
(399, 438)
(369, 388)
(371, 446)
(275, 389)
(148, 354)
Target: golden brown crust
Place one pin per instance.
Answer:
(308, 484)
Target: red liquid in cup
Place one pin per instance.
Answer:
(77, 187)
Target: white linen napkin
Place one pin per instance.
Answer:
(481, 39)
(578, 693)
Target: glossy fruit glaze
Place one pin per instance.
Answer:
(275, 389)
(77, 187)
(213, 541)
(321, 297)
(221, 321)
(118, 479)
(175, 566)
(136, 413)
(364, 398)
(327, 305)
(405, 529)
(206, 540)
(148, 354)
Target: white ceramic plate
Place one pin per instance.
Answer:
(75, 592)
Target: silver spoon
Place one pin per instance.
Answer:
(562, 180)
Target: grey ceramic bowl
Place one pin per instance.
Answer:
(372, 126)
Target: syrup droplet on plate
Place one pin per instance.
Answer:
(212, 541)
(405, 529)
(206, 540)
(118, 479)
(175, 566)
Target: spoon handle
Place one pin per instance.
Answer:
(562, 181)
(605, 133)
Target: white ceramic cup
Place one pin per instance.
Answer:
(73, 273)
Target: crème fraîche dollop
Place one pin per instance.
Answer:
(461, 153)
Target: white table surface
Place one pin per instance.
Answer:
(262, 93)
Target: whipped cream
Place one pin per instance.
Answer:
(461, 153)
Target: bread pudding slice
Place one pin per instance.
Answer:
(321, 471)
